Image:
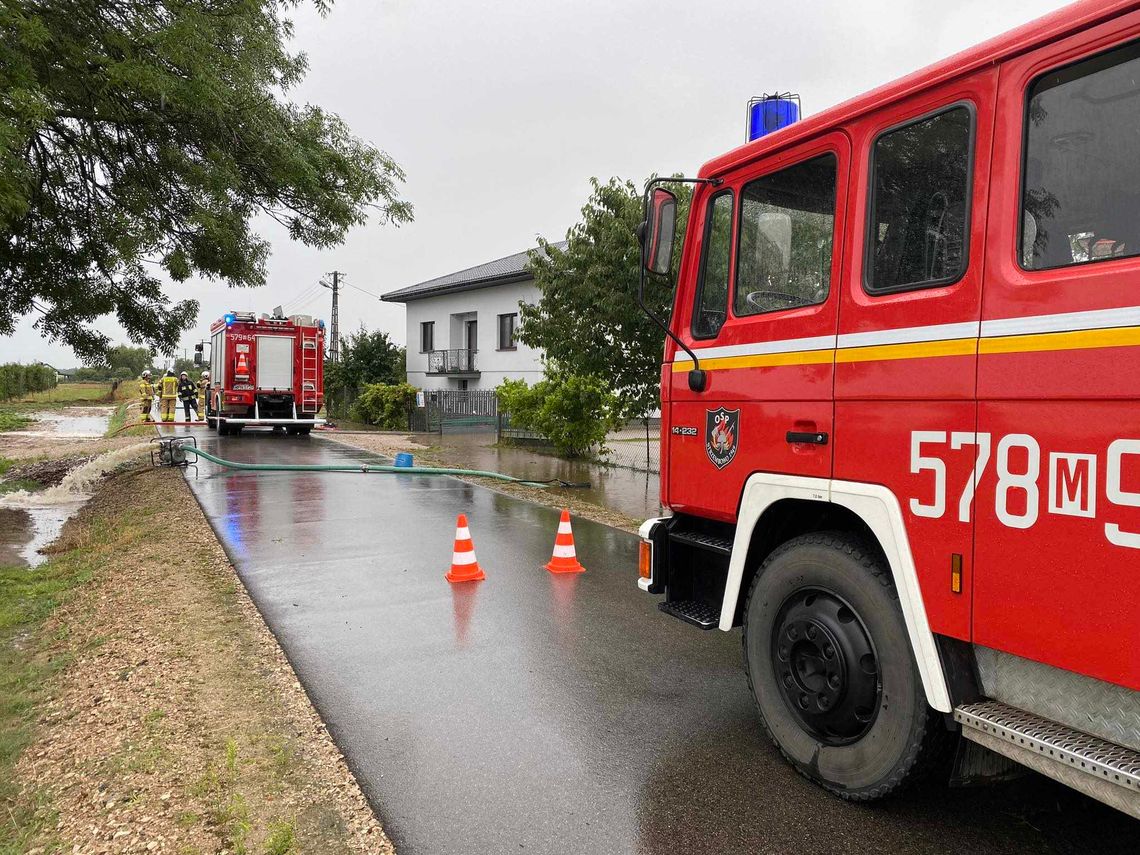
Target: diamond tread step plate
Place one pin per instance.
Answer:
(1105, 761)
(692, 611)
(721, 545)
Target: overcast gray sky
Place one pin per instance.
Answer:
(500, 111)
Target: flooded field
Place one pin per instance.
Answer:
(69, 422)
(32, 519)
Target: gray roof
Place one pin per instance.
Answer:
(511, 268)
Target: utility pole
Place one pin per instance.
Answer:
(334, 321)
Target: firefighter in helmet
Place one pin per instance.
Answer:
(168, 395)
(188, 394)
(203, 392)
(146, 395)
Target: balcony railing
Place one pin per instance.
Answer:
(452, 362)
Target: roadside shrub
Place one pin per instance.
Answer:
(385, 405)
(17, 380)
(573, 412)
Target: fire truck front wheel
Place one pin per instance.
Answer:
(831, 669)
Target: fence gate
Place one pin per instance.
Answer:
(457, 411)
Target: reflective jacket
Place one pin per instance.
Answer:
(169, 387)
(146, 388)
(187, 391)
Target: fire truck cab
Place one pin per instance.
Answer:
(900, 433)
(266, 370)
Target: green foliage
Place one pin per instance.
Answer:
(17, 380)
(365, 357)
(588, 317)
(281, 839)
(574, 412)
(156, 131)
(385, 406)
(131, 359)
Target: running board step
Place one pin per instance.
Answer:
(719, 545)
(1101, 769)
(696, 612)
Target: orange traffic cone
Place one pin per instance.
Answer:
(464, 567)
(564, 559)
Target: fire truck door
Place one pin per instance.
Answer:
(1058, 507)
(762, 319)
(905, 376)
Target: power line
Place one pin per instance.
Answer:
(362, 291)
(301, 293)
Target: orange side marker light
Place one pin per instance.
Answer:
(956, 573)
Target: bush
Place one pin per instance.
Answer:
(386, 406)
(17, 380)
(574, 412)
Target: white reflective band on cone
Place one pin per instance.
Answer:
(563, 551)
(463, 534)
(463, 558)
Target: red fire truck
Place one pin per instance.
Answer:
(266, 371)
(900, 433)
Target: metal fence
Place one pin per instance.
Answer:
(455, 411)
(636, 445)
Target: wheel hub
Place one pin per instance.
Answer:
(826, 666)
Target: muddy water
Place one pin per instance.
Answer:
(25, 531)
(635, 493)
(71, 422)
(30, 520)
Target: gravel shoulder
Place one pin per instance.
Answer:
(152, 710)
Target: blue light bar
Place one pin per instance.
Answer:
(229, 318)
(770, 113)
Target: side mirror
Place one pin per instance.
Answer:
(659, 229)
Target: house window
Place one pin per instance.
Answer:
(507, 326)
(427, 336)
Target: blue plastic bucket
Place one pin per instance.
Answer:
(404, 460)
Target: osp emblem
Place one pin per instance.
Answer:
(721, 429)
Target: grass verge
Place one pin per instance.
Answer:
(145, 707)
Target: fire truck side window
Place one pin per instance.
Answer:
(1081, 197)
(712, 294)
(920, 192)
(787, 225)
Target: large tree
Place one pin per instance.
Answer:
(141, 137)
(365, 357)
(587, 321)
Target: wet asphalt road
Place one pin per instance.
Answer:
(549, 714)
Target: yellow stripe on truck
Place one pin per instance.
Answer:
(1036, 342)
(1079, 340)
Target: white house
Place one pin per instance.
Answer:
(461, 327)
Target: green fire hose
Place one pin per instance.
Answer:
(369, 468)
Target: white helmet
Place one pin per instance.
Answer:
(206, 375)
(146, 373)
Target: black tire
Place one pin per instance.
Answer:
(304, 431)
(292, 430)
(862, 735)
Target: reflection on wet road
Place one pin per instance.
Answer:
(538, 713)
